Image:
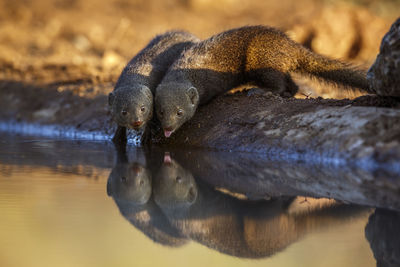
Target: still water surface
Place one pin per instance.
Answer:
(70, 203)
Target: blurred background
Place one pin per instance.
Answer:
(47, 41)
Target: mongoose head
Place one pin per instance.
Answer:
(173, 185)
(131, 106)
(130, 182)
(175, 104)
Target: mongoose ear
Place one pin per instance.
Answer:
(111, 97)
(193, 95)
(109, 188)
(192, 195)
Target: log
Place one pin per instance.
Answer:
(364, 131)
(314, 130)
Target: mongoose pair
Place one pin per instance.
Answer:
(254, 54)
(131, 102)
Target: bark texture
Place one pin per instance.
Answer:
(311, 129)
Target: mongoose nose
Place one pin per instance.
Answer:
(137, 124)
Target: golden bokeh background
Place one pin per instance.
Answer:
(95, 39)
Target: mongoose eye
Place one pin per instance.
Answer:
(179, 112)
(142, 108)
(124, 113)
(178, 179)
(161, 113)
(123, 179)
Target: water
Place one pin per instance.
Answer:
(81, 203)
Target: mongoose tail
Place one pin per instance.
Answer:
(332, 71)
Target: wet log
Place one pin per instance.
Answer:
(338, 131)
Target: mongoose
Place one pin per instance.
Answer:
(129, 181)
(131, 102)
(174, 185)
(254, 54)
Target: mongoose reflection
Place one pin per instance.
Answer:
(260, 55)
(130, 185)
(131, 102)
(130, 182)
(236, 227)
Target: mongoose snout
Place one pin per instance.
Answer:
(136, 124)
(168, 131)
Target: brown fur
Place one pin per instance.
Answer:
(254, 54)
(131, 102)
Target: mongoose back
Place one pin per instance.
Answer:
(131, 102)
(255, 54)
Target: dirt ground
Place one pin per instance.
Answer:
(59, 58)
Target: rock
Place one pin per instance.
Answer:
(384, 74)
